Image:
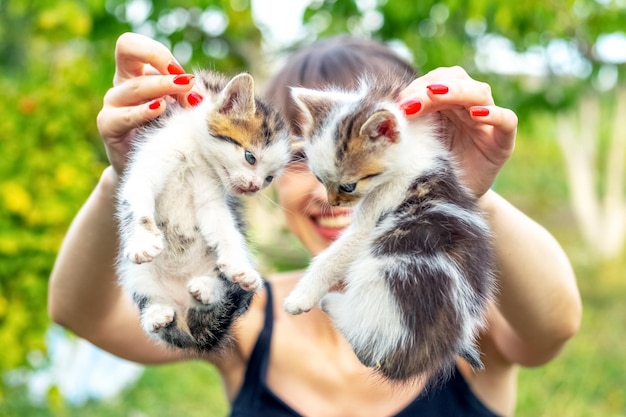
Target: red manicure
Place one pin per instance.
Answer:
(174, 68)
(194, 99)
(155, 104)
(438, 88)
(411, 107)
(479, 111)
(183, 79)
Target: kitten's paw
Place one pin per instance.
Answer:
(298, 302)
(305, 295)
(247, 278)
(331, 302)
(206, 290)
(144, 246)
(156, 317)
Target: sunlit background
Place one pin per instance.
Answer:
(559, 64)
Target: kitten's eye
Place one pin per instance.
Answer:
(251, 159)
(226, 139)
(319, 179)
(348, 188)
(269, 179)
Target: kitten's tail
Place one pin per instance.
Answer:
(210, 326)
(206, 328)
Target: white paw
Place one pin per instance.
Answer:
(206, 290)
(144, 246)
(299, 302)
(331, 302)
(247, 278)
(156, 317)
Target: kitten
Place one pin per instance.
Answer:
(417, 259)
(183, 255)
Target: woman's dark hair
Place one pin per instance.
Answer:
(336, 61)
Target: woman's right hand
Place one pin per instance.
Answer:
(480, 134)
(146, 76)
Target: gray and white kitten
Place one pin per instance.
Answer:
(183, 255)
(417, 260)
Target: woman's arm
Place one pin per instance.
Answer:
(84, 295)
(538, 301)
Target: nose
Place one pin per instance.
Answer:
(319, 191)
(252, 187)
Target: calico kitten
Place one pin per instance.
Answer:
(417, 259)
(183, 255)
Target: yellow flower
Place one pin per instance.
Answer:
(16, 199)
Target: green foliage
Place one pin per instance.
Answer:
(450, 33)
(56, 63)
(51, 158)
(190, 389)
(219, 34)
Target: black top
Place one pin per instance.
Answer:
(255, 399)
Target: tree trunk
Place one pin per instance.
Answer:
(601, 216)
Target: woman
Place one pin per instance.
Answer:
(284, 365)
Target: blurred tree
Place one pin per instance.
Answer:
(56, 62)
(557, 56)
(593, 140)
(560, 37)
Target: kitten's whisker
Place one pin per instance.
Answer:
(274, 203)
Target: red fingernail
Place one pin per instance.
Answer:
(479, 111)
(183, 79)
(438, 88)
(174, 68)
(411, 107)
(194, 99)
(155, 104)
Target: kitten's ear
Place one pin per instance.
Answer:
(238, 96)
(381, 125)
(312, 106)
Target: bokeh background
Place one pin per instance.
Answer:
(560, 64)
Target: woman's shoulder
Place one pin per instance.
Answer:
(282, 283)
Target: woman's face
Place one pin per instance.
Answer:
(306, 208)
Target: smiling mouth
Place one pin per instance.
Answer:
(331, 227)
(340, 221)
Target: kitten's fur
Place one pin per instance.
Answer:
(417, 258)
(183, 255)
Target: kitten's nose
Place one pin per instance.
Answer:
(333, 201)
(253, 188)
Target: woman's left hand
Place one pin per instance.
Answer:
(480, 134)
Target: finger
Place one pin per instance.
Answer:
(115, 122)
(436, 76)
(146, 88)
(503, 120)
(447, 94)
(133, 52)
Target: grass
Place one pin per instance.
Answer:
(187, 389)
(589, 377)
